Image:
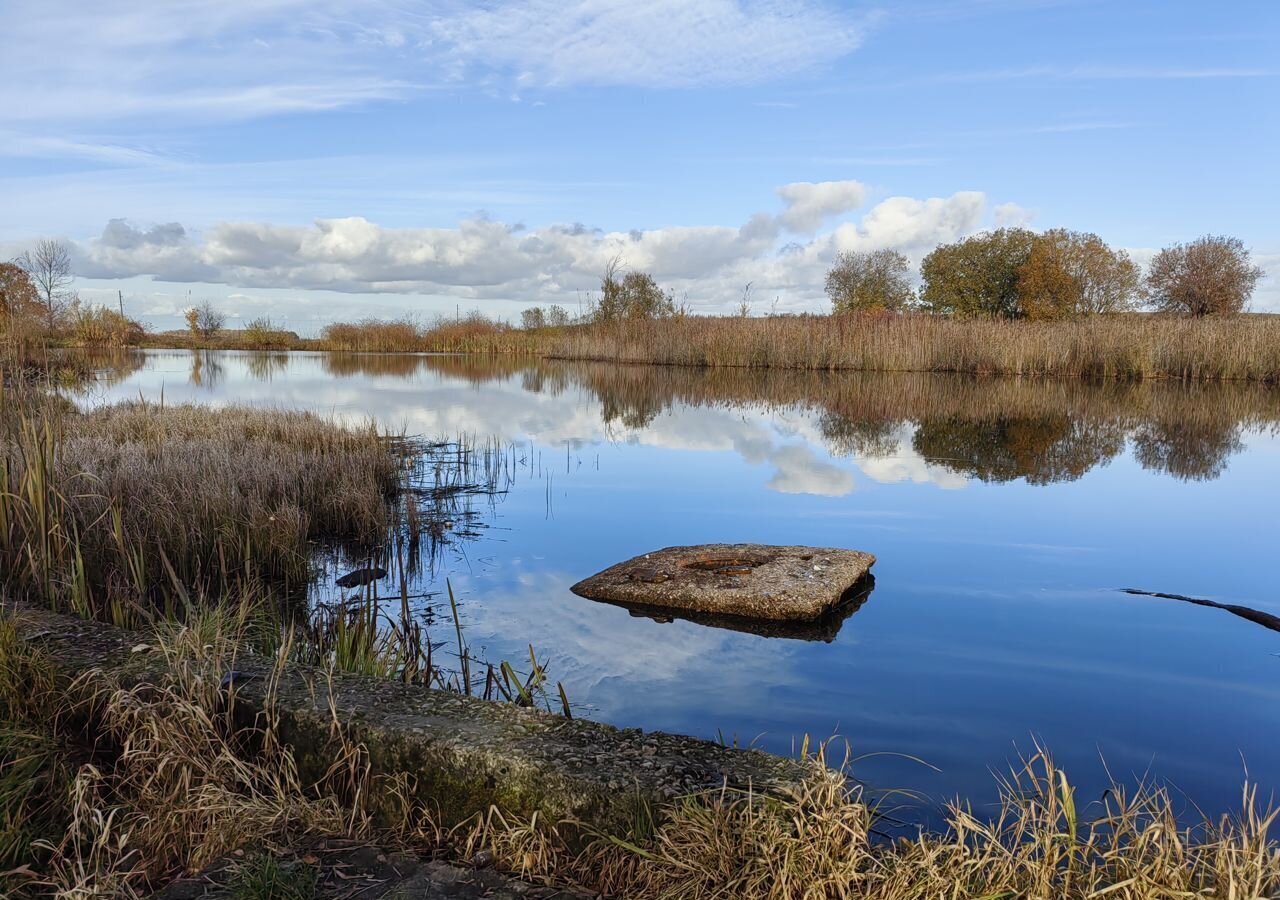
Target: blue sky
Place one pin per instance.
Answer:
(322, 159)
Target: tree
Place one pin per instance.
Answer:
(18, 296)
(533, 318)
(633, 296)
(557, 317)
(1209, 276)
(49, 267)
(204, 321)
(867, 282)
(977, 276)
(1074, 273)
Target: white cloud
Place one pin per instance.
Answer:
(667, 43)
(809, 204)
(1011, 215)
(234, 59)
(483, 259)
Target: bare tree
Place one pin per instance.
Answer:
(1209, 276)
(49, 267)
(204, 321)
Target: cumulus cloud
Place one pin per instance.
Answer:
(809, 204)
(483, 259)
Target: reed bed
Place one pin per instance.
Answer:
(1135, 346)
(472, 333)
(104, 513)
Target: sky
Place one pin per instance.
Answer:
(313, 160)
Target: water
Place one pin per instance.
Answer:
(1005, 516)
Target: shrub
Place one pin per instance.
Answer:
(634, 296)
(977, 276)
(1209, 276)
(869, 282)
(262, 334)
(100, 326)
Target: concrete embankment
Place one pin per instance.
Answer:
(464, 754)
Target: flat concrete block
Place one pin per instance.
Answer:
(752, 581)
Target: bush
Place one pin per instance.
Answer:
(262, 334)
(100, 326)
(634, 296)
(1209, 276)
(977, 276)
(869, 282)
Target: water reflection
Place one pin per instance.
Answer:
(1005, 515)
(825, 628)
(897, 427)
(207, 370)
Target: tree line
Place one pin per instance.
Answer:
(1016, 273)
(1009, 273)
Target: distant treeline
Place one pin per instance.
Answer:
(1009, 301)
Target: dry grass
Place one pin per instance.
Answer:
(1123, 346)
(472, 333)
(117, 511)
(183, 787)
(823, 841)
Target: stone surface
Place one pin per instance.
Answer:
(464, 754)
(749, 581)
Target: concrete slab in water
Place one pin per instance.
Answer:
(756, 581)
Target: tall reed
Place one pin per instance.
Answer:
(1124, 346)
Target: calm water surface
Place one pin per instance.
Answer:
(1005, 516)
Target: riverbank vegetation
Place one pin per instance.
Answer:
(138, 784)
(1005, 302)
(139, 514)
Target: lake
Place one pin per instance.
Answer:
(1006, 516)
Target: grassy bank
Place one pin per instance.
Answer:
(140, 783)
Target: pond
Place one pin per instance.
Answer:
(1006, 517)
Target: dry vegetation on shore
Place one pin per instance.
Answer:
(111, 513)
(167, 786)
(1130, 346)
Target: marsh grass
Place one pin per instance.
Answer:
(472, 333)
(119, 512)
(1131, 346)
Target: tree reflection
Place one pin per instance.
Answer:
(868, 438)
(264, 365)
(1042, 450)
(206, 370)
(1189, 451)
